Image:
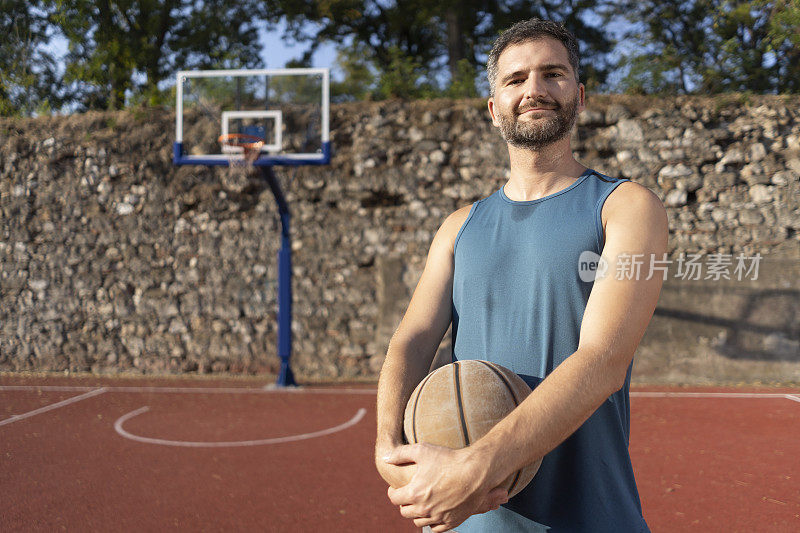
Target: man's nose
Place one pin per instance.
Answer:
(534, 86)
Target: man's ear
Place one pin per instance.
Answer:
(490, 103)
(581, 97)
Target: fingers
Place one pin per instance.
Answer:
(422, 522)
(440, 525)
(416, 512)
(493, 500)
(396, 476)
(498, 496)
(402, 455)
(400, 496)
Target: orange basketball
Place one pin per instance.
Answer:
(459, 403)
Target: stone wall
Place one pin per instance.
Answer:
(113, 260)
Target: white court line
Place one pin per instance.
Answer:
(50, 407)
(192, 390)
(367, 391)
(237, 390)
(292, 438)
(643, 394)
(45, 388)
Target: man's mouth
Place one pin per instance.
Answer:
(537, 107)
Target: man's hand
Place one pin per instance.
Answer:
(395, 475)
(447, 488)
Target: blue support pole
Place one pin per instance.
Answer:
(285, 376)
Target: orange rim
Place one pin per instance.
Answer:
(242, 140)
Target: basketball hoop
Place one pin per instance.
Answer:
(242, 150)
(269, 120)
(236, 144)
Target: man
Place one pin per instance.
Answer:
(505, 272)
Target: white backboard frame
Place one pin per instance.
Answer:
(322, 156)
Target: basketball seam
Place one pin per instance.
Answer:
(505, 381)
(457, 379)
(516, 403)
(414, 410)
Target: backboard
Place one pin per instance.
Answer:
(288, 108)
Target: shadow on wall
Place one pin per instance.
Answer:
(759, 324)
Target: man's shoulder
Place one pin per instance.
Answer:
(459, 215)
(634, 195)
(452, 224)
(634, 204)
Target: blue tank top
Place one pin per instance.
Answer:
(518, 300)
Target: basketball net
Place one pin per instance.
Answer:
(243, 149)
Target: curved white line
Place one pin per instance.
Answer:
(277, 440)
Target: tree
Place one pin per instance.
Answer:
(122, 50)
(359, 76)
(28, 72)
(784, 42)
(710, 46)
(415, 46)
(668, 48)
(760, 46)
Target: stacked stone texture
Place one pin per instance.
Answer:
(114, 260)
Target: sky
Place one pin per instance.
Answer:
(276, 52)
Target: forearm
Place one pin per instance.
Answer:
(413, 346)
(551, 413)
(404, 368)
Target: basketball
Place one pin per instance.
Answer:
(459, 403)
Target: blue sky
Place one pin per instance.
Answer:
(276, 51)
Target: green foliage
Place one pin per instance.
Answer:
(121, 51)
(415, 48)
(648, 77)
(668, 44)
(404, 78)
(784, 27)
(28, 82)
(125, 52)
(711, 46)
(463, 83)
(358, 82)
(295, 89)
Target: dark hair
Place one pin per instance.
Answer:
(531, 30)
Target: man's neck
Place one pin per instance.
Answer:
(535, 174)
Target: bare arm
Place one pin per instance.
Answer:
(414, 345)
(614, 321)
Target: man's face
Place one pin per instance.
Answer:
(537, 97)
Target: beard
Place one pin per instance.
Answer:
(536, 134)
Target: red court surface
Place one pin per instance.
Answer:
(199, 455)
